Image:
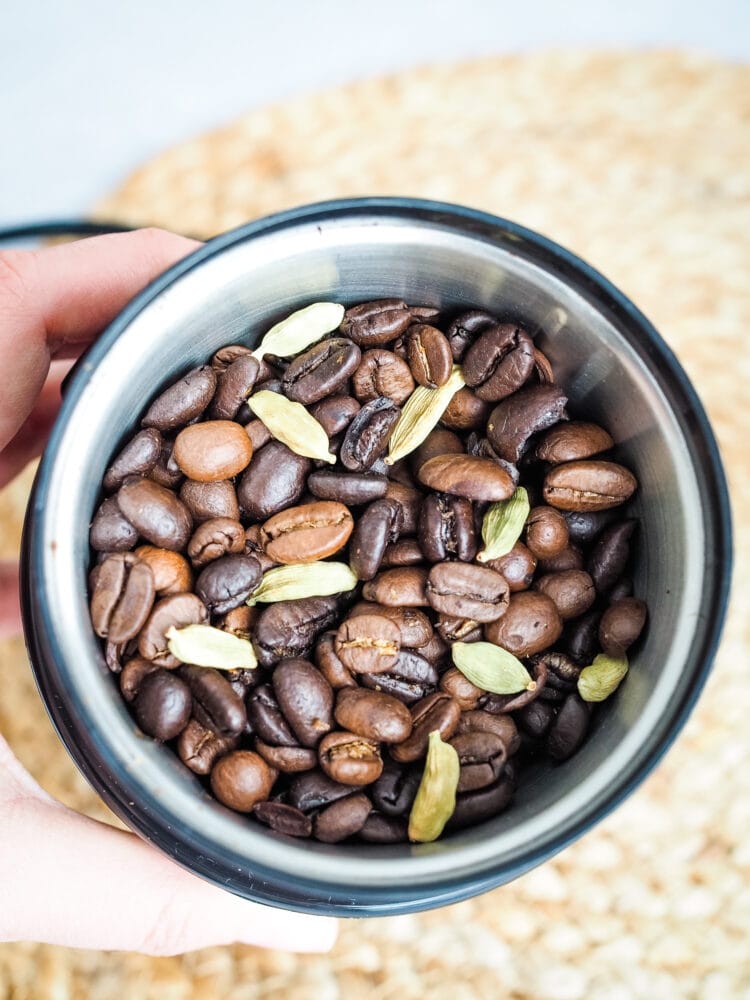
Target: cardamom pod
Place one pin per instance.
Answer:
(491, 667)
(602, 677)
(436, 796)
(420, 414)
(206, 646)
(502, 525)
(298, 580)
(303, 328)
(292, 424)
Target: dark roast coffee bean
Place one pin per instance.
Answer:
(621, 624)
(382, 373)
(610, 555)
(499, 361)
(350, 759)
(372, 324)
(465, 329)
(562, 672)
(372, 714)
(368, 434)
(183, 401)
(467, 591)
(517, 567)
(588, 485)
(122, 597)
(334, 414)
(342, 819)
(570, 557)
(177, 610)
(306, 699)
(573, 441)
(307, 533)
(350, 488)
(315, 790)
(209, 500)
(410, 679)
(403, 587)
(110, 530)
(568, 728)
(446, 528)
(436, 712)
(438, 442)
(543, 367)
(234, 385)
(132, 674)
(267, 719)
(581, 638)
(227, 582)
(525, 413)
(226, 356)
(623, 588)
(166, 472)
(274, 480)
(214, 538)
(321, 370)
(258, 433)
(379, 829)
(572, 591)
(241, 779)
(413, 625)
(377, 526)
(404, 552)
(467, 476)
(476, 807)
(368, 644)
(162, 705)
(137, 458)
(396, 788)
(215, 704)
(535, 718)
(199, 747)
(585, 525)
(482, 758)
(288, 760)
(546, 532)
(409, 500)
(501, 726)
(330, 665)
(289, 628)
(283, 819)
(465, 412)
(429, 355)
(530, 624)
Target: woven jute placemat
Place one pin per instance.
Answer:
(641, 164)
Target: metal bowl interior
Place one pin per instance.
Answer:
(615, 369)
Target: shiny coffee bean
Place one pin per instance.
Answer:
(410, 679)
(464, 590)
(377, 526)
(404, 587)
(330, 665)
(122, 597)
(414, 626)
(580, 639)
(588, 485)
(479, 806)
(543, 367)
(466, 328)
(530, 624)
(610, 555)
(460, 688)
(315, 790)
(287, 760)
(585, 525)
(501, 726)
(274, 480)
(227, 582)
(571, 590)
(429, 355)
(199, 747)
(175, 611)
(368, 434)
(137, 458)
(373, 324)
(350, 759)
(562, 672)
(214, 450)
(467, 476)
(289, 628)
(110, 530)
(335, 413)
(206, 501)
(466, 412)
(234, 384)
(132, 674)
(283, 819)
(306, 699)
(572, 442)
(372, 714)
(217, 537)
(446, 528)
(409, 500)
(171, 570)
(404, 552)
(321, 370)
(216, 705)
(568, 729)
(266, 718)
(342, 819)
(307, 533)
(436, 712)
(183, 401)
(513, 421)
(241, 779)
(621, 624)
(382, 373)
(517, 567)
(163, 704)
(396, 788)
(350, 488)
(368, 644)
(482, 758)
(499, 362)
(546, 532)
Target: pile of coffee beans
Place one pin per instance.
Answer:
(360, 576)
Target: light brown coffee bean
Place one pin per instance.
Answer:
(241, 779)
(573, 441)
(438, 442)
(368, 644)
(546, 532)
(307, 533)
(377, 716)
(171, 570)
(589, 485)
(461, 689)
(467, 476)
(517, 567)
(403, 587)
(288, 760)
(404, 552)
(466, 412)
(464, 590)
(350, 759)
(214, 450)
(414, 625)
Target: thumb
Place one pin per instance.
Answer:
(88, 885)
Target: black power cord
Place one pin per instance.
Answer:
(59, 227)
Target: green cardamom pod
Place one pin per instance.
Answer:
(300, 330)
(206, 646)
(436, 796)
(502, 525)
(298, 580)
(292, 424)
(420, 414)
(602, 677)
(491, 667)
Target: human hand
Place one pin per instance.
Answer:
(65, 878)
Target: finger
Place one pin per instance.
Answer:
(87, 885)
(10, 608)
(58, 299)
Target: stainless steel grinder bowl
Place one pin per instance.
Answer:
(616, 370)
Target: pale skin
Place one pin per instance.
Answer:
(65, 878)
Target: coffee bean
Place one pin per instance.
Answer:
(462, 590)
(481, 448)
(535, 718)
(372, 714)
(411, 678)
(183, 401)
(465, 329)
(368, 644)
(321, 370)
(215, 703)
(335, 413)
(568, 729)
(219, 536)
(435, 651)
(623, 588)
(467, 476)
(621, 624)
(372, 324)
(588, 485)
(414, 626)
(530, 624)
(274, 480)
(342, 819)
(350, 759)
(254, 547)
(572, 591)
(562, 672)
(458, 629)
(177, 610)
(382, 373)
(241, 779)
(234, 385)
(404, 552)
(137, 458)
(240, 622)
(546, 532)
(214, 450)
(227, 355)
(570, 557)
(227, 582)
(350, 488)
(162, 705)
(132, 674)
(289, 628)
(460, 688)
(429, 355)
(610, 555)
(122, 597)
(315, 790)
(267, 719)
(585, 525)
(377, 526)
(330, 665)
(436, 712)
(171, 571)
(581, 636)
(465, 412)
(573, 441)
(438, 442)
(403, 587)
(307, 533)
(395, 790)
(306, 699)
(482, 758)
(517, 567)
(502, 726)
(368, 434)
(288, 760)
(199, 748)
(258, 433)
(283, 819)
(409, 500)
(110, 530)
(513, 421)
(479, 806)
(379, 829)
(206, 501)
(446, 528)
(166, 472)
(499, 361)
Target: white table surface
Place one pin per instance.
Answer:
(89, 89)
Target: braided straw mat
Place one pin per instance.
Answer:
(639, 163)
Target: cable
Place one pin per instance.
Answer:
(60, 227)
